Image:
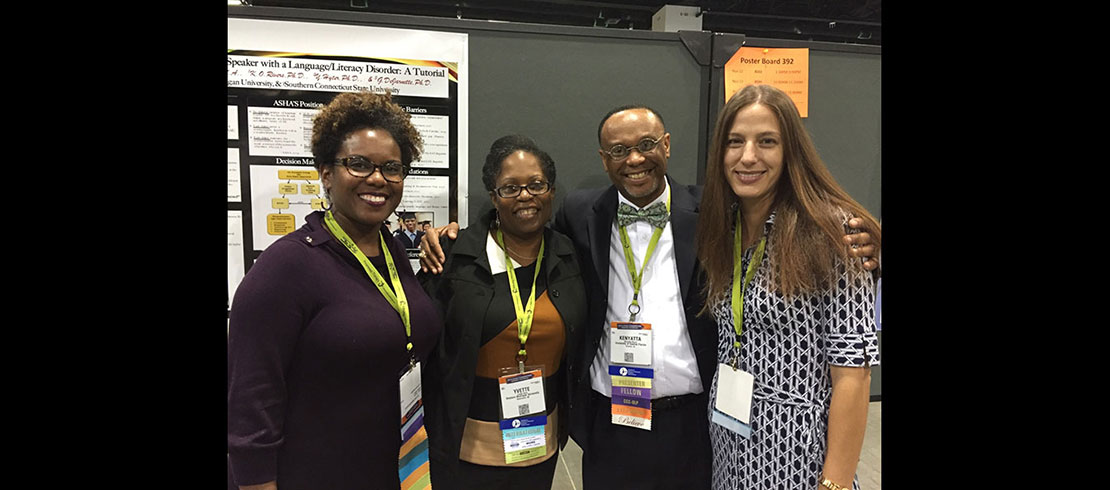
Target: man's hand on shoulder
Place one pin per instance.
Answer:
(431, 253)
(859, 245)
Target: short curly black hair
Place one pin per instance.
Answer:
(352, 111)
(507, 145)
(622, 108)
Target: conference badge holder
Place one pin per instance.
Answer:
(733, 407)
(523, 413)
(413, 458)
(630, 374)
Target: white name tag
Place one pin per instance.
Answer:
(412, 413)
(733, 407)
(522, 394)
(630, 343)
(734, 392)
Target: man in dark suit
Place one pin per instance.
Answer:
(408, 234)
(675, 452)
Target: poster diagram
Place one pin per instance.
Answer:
(281, 197)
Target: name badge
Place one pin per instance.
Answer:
(412, 459)
(523, 414)
(630, 343)
(522, 394)
(412, 406)
(733, 407)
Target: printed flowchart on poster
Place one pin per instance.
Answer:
(281, 197)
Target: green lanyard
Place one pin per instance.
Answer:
(630, 261)
(396, 300)
(738, 293)
(523, 315)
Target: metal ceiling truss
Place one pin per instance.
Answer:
(849, 21)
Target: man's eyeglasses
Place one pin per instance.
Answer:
(512, 190)
(361, 168)
(620, 152)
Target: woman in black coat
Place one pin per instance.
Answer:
(478, 437)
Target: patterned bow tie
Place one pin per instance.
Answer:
(656, 215)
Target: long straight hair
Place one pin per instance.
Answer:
(810, 207)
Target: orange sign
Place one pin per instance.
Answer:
(787, 69)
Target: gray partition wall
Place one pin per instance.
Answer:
(556, 86)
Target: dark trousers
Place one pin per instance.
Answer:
(475, 476)
(674, 454)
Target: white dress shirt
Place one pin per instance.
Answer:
(673, 361)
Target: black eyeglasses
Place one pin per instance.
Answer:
(620, 152)
(535, 188)
(361, 168)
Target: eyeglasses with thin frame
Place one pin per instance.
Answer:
(360, 167)
(536, 188)
(620, 152)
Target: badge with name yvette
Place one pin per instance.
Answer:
(523, 415)
(631, 400)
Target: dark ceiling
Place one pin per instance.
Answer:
(842, 21)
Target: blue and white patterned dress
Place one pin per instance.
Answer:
(788, 346)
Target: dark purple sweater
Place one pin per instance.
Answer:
(314, 357)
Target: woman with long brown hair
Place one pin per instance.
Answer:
(795, 311)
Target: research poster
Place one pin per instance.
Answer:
(280, 73)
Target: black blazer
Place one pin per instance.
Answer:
(400, 234)
(586, 216)
(463, 292)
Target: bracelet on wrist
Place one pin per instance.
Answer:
(827, 483)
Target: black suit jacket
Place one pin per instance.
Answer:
(586, 216)
(400, 234)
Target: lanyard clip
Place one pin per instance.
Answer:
(634, 308)
(520, 358)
